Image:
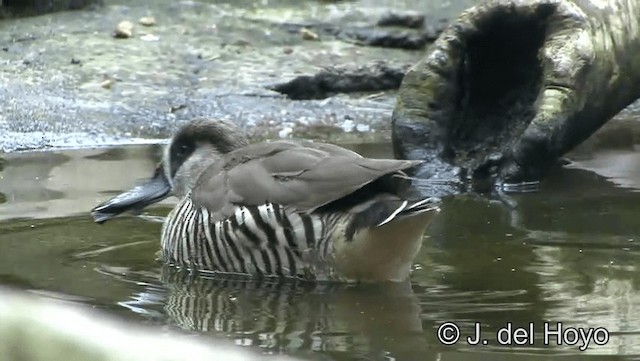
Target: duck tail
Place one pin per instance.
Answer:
(408, 208)
(384, 209)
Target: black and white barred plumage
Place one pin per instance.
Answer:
(260, 240)
(255, 240)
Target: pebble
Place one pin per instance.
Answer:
(308, 34)
(147, 21)
(124, 30)
(285, 132)
(107, 84)
(363, 128)
(149, 37)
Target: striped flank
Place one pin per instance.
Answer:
(266, 240)
(263, 240)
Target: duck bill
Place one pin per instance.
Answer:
(152, 191)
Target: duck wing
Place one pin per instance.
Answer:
(298, 176)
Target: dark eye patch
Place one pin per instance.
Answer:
(181, 149)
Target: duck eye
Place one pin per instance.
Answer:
(184, 150)
(179, 154)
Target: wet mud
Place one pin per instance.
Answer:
(67, 82)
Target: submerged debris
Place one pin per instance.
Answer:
(343, 79)
(124, 30)
(175, 108)
(406, 39)
(407, 19)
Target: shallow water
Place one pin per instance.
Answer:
(565, 254)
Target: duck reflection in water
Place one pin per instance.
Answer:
(371, 320)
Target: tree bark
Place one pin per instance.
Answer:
(512, 85)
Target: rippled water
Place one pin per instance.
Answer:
(568, 253)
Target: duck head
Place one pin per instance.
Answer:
(197, 145)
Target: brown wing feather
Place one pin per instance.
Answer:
(299, 176)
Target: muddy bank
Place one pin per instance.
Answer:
(68, 82)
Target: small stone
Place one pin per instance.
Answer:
(107, 84)
(308, 34)
(287, 50)
(147, 21)
(149, 37)
(285, 132)
(124, 30)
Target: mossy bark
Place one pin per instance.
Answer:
(512, 85)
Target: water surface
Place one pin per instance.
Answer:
(565, 254)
